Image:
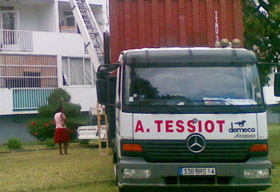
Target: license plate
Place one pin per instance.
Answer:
(197, 171)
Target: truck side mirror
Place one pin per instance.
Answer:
(103, 81)
(101, 86)
(277, 85)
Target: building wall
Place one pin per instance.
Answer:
(42, 17)
(48, 17)
(65, 44)
(15, 126)
(60, 45)
(6, 101)
(28, 19)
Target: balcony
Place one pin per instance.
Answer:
(14, 40)
(25, 99)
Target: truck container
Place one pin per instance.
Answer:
(173, 23)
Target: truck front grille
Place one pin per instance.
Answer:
(177, 151)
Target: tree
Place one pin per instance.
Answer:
(262, 32)
(43, 127)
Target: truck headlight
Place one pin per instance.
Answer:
(256, 173)
(136, 173)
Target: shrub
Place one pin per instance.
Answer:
(72, 126)
(58, 97)
(47, 111)
(72, 110)
(42, 128)
(14, 143)
(50, 142)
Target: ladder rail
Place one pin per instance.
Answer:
(101, 113)
(85, 33)
(94, 23)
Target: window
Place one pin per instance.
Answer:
(17, 71)
(8, 23)
(77, 71)
(69, 18)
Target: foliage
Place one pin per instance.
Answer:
(14, 143)
(50, 142)
(262, 32)
(72, 110)
(47, 111)
(59, 97)
(43, 127)
(72, 125)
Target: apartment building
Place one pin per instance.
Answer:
(40, 50)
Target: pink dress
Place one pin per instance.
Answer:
(61, 134)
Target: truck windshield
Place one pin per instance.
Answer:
(186, 86)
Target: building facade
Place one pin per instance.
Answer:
(40, 50)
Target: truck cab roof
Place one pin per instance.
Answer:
(185, 55)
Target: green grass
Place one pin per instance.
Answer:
(274, 156)
(83, 170)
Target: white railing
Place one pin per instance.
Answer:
(26, 71)
(30, 98)
(14, 40)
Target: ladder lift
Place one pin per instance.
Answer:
(94, 43)
(102, 121)
(89, 30)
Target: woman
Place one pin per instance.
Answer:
(61, 134)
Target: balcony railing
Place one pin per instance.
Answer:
(30, 98)
(14, 40)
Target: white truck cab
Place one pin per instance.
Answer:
(187, 117)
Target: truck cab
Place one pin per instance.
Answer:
(187, 117)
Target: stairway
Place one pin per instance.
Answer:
(89, 30)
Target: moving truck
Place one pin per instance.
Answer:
(186, 115)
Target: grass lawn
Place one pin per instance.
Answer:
(83, 170)
(45, 170)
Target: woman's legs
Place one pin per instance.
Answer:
(65, 147)
(60, 148)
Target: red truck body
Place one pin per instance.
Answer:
(172, 23)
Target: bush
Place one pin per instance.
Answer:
(42, 128)
(58, 97)
(72, 110)
(47, 111)
(50, 142)
(14, 143)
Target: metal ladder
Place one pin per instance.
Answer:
(102, 138)
(90, 31)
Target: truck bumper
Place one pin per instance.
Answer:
(228, 175)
